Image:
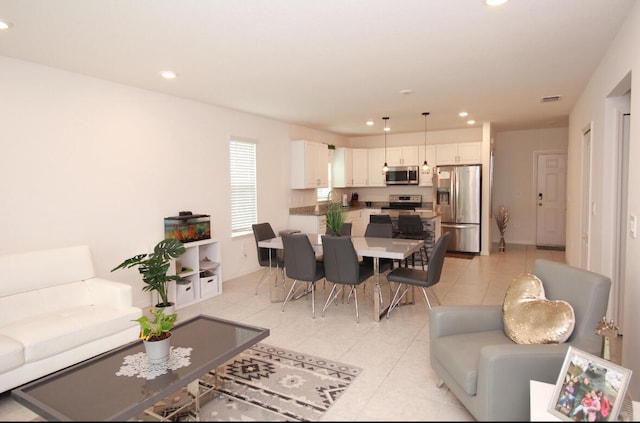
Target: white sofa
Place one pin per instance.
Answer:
(54, 312)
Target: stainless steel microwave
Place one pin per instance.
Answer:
(402, 175)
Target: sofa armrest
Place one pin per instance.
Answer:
(110, 293)
(504, 372)
(455, 320)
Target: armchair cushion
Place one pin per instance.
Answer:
(530, 318)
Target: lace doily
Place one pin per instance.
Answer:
(138, 364)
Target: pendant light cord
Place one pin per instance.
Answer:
(425, 164)
(385, 168)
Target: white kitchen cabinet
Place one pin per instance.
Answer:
(403, 156)
(360, 168)
(376, 161)
(308, 223)
(309, 164)
(200, 273)
(459, 153)
(426, 179)
(355, 217)
(313, 224)
(342, 167)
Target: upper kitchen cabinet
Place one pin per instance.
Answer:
(342, 167)
(403, 156)
(360, 168)
(309, 165)
(461, 153)
(428, 152)
(376, 161)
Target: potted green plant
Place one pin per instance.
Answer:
(335, 217)
(154, 266)
(156, 334)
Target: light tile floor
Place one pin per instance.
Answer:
(397, 382)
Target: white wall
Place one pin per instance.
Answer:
(86, 161)
(622, 58)
(514, 178)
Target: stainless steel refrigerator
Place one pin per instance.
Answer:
(457, 195)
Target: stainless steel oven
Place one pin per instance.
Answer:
(402, 175)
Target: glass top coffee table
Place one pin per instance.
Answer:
(93, 391)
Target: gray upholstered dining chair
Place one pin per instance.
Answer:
(380, 218)
(301, 266)
(342, 267)
(487, 371)
(424, 279)
(345, 231)
(266, 258)
(410, 227)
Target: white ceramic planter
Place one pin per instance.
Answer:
(158, 351)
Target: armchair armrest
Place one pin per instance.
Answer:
(504, 372)
(110, 293)
(455, 320)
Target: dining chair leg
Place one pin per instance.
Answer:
(396, 299)
(313, 300)
(290, 294)
(355, 301)
(426, 297)
(333, 295)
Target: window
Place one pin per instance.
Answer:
(244, 210)
(321, 193)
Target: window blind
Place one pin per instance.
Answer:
(244, 210)
(321, 193)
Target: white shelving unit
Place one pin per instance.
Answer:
(200, 271)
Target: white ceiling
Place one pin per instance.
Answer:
(333, 64)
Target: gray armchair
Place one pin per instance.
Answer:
(489, 373)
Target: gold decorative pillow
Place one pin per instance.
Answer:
(529, 318)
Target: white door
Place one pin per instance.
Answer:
(551, 200)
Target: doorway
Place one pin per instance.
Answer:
(551, 200)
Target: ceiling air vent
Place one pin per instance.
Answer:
(550, 98)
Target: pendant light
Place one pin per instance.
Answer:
(425, 165)
(385, 168)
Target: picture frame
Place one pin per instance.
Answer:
(607, 380)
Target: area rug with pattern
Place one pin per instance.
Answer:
(268, 383)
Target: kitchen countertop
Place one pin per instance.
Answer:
(310, 211)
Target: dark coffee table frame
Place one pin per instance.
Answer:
(74, 394)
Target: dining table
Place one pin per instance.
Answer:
(377, 248)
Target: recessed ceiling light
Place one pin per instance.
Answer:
(495, 2)
(463, 114)
(369, 123)
(406, 92)
(168, 74)
(4, 25)
(387, 128)
(471, 121)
